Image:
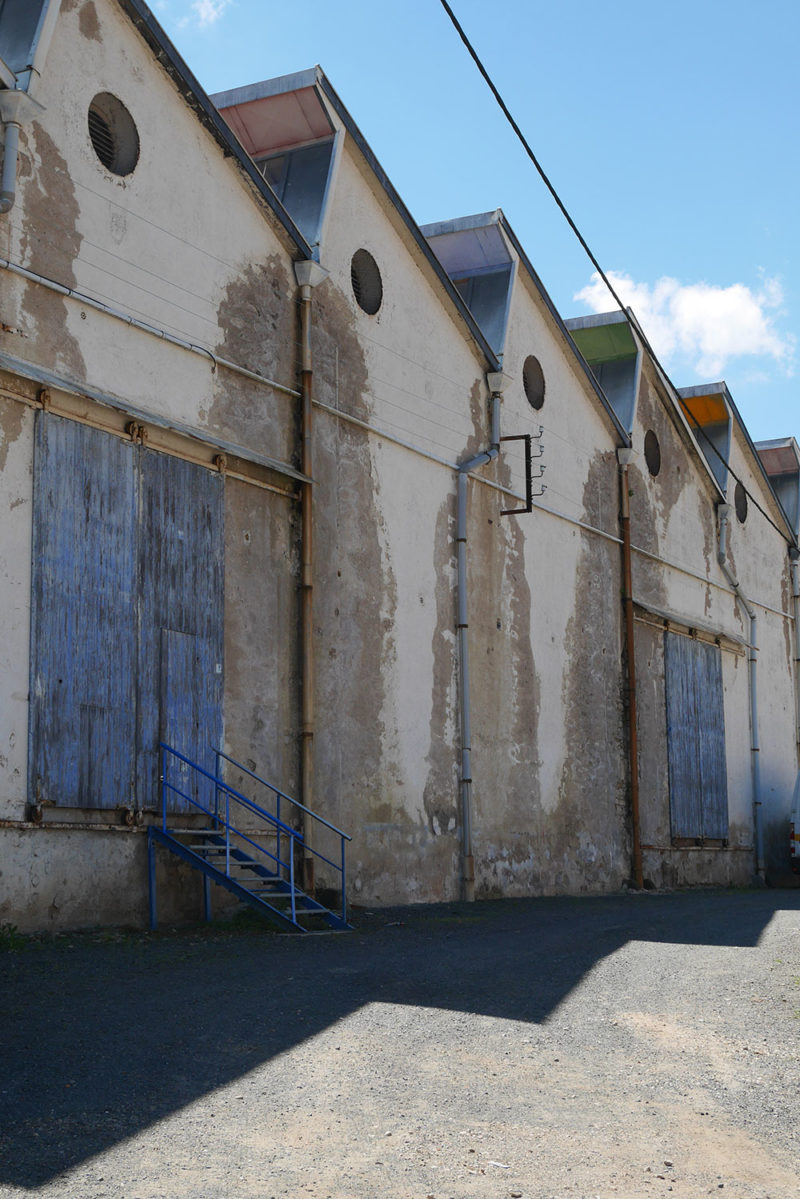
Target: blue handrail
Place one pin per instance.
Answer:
(223, 825)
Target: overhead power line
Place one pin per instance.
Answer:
(565, 213)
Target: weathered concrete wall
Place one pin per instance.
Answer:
(548, 814)
(674, 519)
(546, 638)
(384, 606)
(16, 449)
(184, 245)
(758, 557)
(180, 243)
(54, 879)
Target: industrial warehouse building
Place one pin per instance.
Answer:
(314, 496)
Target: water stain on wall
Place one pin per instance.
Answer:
(588, 835)
(88, 22)
(441, 786)
(49, 244)
(12, 417)
(355, 604)
(258, 331)
(261, 622)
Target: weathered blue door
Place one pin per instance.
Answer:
(181, 612)
(127, 615)
(83, 700)
(698, 787)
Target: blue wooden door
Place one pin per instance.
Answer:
(181, 614)
(698, 788)
(127, 616)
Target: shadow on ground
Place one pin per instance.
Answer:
(105, 1035)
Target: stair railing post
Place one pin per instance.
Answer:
(228, 834)
(291, 879)
(217, 776)
(163, 788)
(344, 897)
(278, 829)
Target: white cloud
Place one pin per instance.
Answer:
(205, 13)
(704, 324)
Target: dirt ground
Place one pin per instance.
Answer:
(637, 1045)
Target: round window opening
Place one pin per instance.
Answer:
(113, 134)
(740, 503)
(533, 382)
(652, 452)
(366, 280)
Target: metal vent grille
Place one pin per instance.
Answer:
(533, 382)
(652, 453)
(102, 138)
(113, 134)
(366, 280)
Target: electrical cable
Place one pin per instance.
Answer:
(728, 467)
(562, 208)
(504, 107)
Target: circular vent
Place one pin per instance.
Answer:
(113, 133)
(366, 280)
(740, 503)
(533, 381)
(652, 452)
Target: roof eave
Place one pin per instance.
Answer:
(148, 27)
(493, 362)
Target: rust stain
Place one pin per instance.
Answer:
(88, 22)
(50, 244)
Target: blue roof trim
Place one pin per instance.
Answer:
(142, 18)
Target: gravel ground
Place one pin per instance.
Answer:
(637, 1045)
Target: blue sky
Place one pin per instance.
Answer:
(669, 131)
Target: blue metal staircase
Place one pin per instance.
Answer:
(241, 859)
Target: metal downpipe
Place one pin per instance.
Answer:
(462, 628)
(308, 274)
(624, 457)
(723, 512)
(16, 107)
(8, 184)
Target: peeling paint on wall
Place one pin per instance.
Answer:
(50, 244)
(12, 417)
(355, 607)
(588, 831)
(88, 22)
(258, 322)
(441, 787)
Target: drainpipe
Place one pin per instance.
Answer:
(723, 511)
(308, 275)
(794, 566)
(496, 381)
(624, 457)
(16, 108)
